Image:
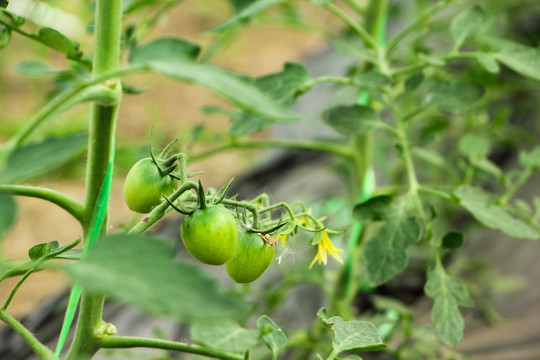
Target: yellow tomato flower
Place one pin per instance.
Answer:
(325, 247)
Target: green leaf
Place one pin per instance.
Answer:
(351, 335)
(372, 79)
(60, 42)
(38, 251)
(4, 3)
(520, 58)
(165, 57)
(283, 85)
(246, 124)
(245, 12)
(274, 338)
(322, 2)
(32, 160)
(483, 206)
(385, 253)
(8, 213)
(413, 81)
(454, 97)
(452, 240)
(467, 24)
(474, 146)
(448, 293)
(34, 68)
(531, 159)
(165, 49)
(224, 335)
(140, 270)
(352, 120)
(375, 209)
(489, 63)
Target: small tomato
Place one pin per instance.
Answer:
(251, 258)
(210, 234)
(145, 186)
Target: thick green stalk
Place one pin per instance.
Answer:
(100, 145)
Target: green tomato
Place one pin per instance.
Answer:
(210, 234)
(251, 258)
(145, 186)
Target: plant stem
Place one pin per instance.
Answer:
(368, 39)
(108, 16)
(321, 146)
(113, 342)
(419, 21)
(66, 202)
(41, 350)
(523, 177)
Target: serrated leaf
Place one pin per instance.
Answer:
(375, 209)
(34, 68)
(467, 24)
(245, 12)
(274, 338)
(520, 58)
(8, 213)
(448, 293)
(351, 335)
(34, 159)
(453, 240)
(385, 253)
(141, 271)
(352, 120)
(60, 42)
(454, 97)
(224, 335)
(483, 206)
(165, 57)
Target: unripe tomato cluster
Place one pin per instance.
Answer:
(212, 236)
(211, 233)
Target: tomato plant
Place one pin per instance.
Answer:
(415, 124)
